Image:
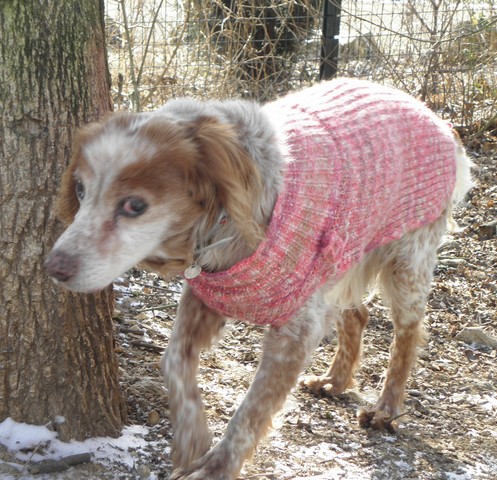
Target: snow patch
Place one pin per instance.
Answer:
(21, 436)
(34, 443)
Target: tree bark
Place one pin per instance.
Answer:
(57, 360)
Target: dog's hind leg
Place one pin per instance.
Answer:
(194, 329)
(286, 351)
(405, 282)
(350, 326)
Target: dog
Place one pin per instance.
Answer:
(282, 215)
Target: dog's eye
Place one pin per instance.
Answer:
(80, 190)
(132, 207)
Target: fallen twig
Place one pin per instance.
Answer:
(50, 466)
(147, 345)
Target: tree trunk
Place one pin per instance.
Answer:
(57, 360)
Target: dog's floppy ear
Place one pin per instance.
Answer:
(67, 203)
(225, 164)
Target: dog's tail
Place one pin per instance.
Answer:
(464, 181)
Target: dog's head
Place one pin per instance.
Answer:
(140, 187)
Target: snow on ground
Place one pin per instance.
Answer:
(32, 443)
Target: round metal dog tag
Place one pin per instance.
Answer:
(193, 271)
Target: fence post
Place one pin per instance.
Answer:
(331, 29)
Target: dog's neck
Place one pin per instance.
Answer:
(219, 248)
(208, 243)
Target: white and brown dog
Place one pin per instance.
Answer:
(284, 215)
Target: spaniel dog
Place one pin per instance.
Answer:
(282, 215)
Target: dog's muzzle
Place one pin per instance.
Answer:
(61, 265)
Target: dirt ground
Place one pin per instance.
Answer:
(450, 427)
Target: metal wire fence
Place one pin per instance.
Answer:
(444, 52)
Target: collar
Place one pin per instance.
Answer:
(195, 269)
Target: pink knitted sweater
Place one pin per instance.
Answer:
(364, 165)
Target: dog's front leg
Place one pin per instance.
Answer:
(285, 353)
(194, 329)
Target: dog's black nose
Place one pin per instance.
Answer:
(61, 265)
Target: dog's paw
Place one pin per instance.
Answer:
(187, 474)
(190, 444)
(322, 385)
(202, 469)
(212, 466)
(377, 419)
